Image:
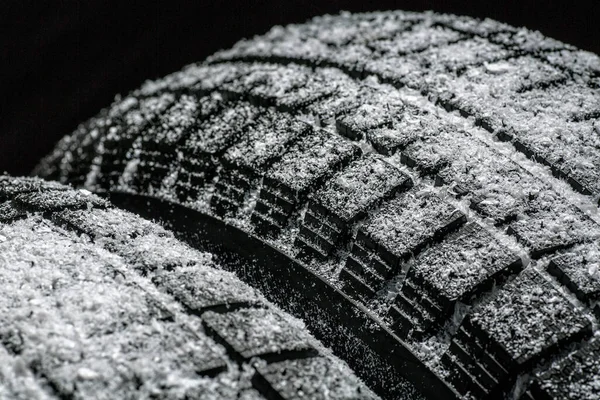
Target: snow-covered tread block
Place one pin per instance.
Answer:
(257, 332)
(10, 186)
(574, 376)
(158, 148)
(375, 109)
(28, 195)
(496, 187)
(305, 166)
(58, 200)
(551, 223)
(293, 379)
(414, 124)
(528, 320)
(390, 235)
(345, 199)
(116, 144)
(211, 138)
(455, 270)
(246, 161)
(115, 307)
(578, 269)
(199, 289)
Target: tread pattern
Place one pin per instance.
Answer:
(345, 199)
(457, 270)
(306, 165)
(573, 376)
(101, 303)
(461, 199)
(399, 229)
(510, 333)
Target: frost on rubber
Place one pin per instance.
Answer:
(99, 303)
(442, 172)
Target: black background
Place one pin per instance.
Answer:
(61, 61)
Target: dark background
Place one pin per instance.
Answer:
(61, 61)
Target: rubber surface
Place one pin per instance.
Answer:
(441, 172)
(100, 303)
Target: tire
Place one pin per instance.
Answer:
(100, 303)
(421, 189)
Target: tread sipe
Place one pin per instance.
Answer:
(421, 189)
(100, 303)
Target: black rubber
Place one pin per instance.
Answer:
(100, 303)
(421, 189)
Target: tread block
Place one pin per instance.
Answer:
(265, 226)
(266, 140)
(307, 163)
(552, 129)
(366, 117)
(529, 319)
(322, 227)
(174, 124)
(351, 29)
(57, 200)
(348, 196)
(417, 39)
(261, 86)
(407, 128)
(148, 248)
(456, 269)
(135, 121)
(230, 189)
(484, 28)
(121, 135)
(344, 96)
(578, 269)
(223, 205)
(205, 289)
(311, 249)
(159, 140)
(210, 139)
(365, 182)
(456, 56)
(257, 332)
(197, 78)
(527, 305)
(221, 130)
(272, 211)
(315, 90)
(11, 187)
(409, 318)
(81, 148)
(497, 188)
(294, 379)
(574, 376)
(311, 160)
(552, 224)
(371, 276)
(402, 227)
